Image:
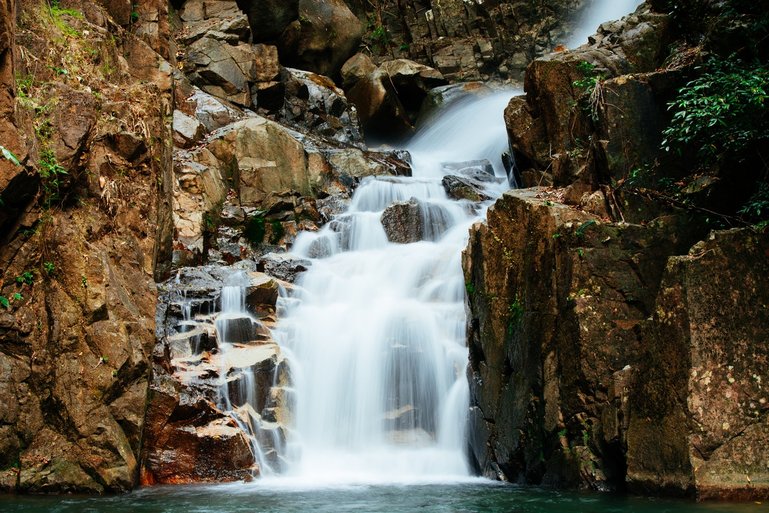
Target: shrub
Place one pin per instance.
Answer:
(721, 114)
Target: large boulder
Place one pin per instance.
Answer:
(403, 223)
(325, 34)
(390, 97)
(315, 105)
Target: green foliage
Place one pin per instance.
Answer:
(277, 232)
(757, 207)
(470, 288)
(26, 278)
(4, 302)
(722, 113)
(255, 229)
(589, 76)
(591, 99)
(51, 174)
(49, 268)
(580, 232)
(515, 315)
(8, 155)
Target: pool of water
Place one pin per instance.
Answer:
(470, 497)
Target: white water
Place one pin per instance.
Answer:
(235, 328)
(599, 12)
(375, 332)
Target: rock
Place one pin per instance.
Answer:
(389, 99)
(698, 420)
(325, 34)
(191, 435)
(468, 40)
(282, 266)
(403, 223)
(315, 105)
(222, 69)
(119, 10)
(212, 112)
(557, 300)
(547, 131)
(222, 20)
(269, 18)
(464, 188)
(188, 131)
(357, 68)
(75, 352)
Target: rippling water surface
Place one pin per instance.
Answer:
(275, 496)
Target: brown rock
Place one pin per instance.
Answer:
(323, 37)
(556, 301)
(699, 414)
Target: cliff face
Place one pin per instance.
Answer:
(608, 348)
(85, 218)
(467, 40)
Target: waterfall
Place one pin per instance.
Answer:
(237, 331)
(600, 11)
(375, 330)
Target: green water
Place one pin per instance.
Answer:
(455, 498)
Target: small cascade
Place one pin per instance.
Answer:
(375, 329)
(600, 11)
(241, 357)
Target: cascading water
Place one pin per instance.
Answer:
(375, 331)
(600, 11)
(237, 332)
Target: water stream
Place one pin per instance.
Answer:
(600, 11)
(375, 331)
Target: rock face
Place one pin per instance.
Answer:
(699, 417)
(610, 349)
(389, 97)
(553, 335)
(599, 358)
(550, 127)
(467, 40)
(193, 434)
(87, 229)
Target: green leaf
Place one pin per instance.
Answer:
(9, 155)
(4, 302)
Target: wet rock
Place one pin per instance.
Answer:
(282, 266)
(403, 222)
(314, 104)
(193, 370)
(464, 188)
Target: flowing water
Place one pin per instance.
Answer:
(375, 331)
(600, 11)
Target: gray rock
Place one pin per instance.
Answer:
(403, 223)
(187, 130)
